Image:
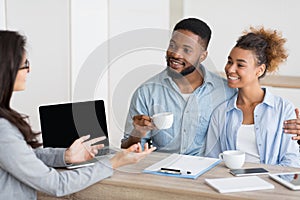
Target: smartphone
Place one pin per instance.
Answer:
(248, 171)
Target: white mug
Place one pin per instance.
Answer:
(234, 159)
(163, 120)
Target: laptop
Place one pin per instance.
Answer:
(62, 124)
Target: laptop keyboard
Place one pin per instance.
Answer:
(106, 151)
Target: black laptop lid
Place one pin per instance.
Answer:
(62, 124)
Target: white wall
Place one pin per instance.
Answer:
(64, 39)
(2, 15)
(138, 32)
(103, 35)
(46, 26)
(89, 29)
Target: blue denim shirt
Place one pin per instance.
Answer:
(191, 118)
(274, 146)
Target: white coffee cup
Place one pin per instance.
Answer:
(234, 159)
(163, 120)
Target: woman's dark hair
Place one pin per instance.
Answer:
(12, 50)
(197, 27)
(267, 46)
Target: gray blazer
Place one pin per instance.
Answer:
(24, 170)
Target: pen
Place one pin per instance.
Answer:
(173, 171)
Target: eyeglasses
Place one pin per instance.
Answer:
(26, 66)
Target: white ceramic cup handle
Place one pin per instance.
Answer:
(221, 156)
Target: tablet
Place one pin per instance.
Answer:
(290, 180)
(91, 162)
(82, 164)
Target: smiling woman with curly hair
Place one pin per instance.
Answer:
(252, 120)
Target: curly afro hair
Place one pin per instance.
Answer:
(267, 45)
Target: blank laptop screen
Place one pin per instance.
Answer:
(62, 124)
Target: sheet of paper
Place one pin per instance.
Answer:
(195, 164)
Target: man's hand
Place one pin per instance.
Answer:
(292, 126)
(82, 150)
(142, 124)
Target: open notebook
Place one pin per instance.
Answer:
(184, 166)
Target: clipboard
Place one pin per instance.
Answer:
(182, 166)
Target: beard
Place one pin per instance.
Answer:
(183, 73)
(174, 74)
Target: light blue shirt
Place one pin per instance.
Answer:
(24, 170)
(191, 117)
(274, 146)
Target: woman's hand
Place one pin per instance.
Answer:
(131, 155)
(82, 150)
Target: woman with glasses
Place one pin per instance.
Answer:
(25, 168)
